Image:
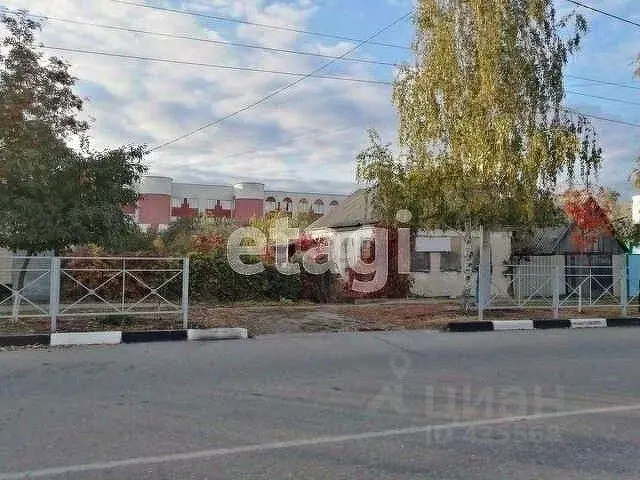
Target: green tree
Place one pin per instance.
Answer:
(53, 195)
(483, 129)
(179, 237)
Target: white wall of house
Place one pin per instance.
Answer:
(345, 250)
(438, 283)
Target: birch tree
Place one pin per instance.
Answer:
(482, 119)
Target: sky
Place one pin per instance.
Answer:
(306, 138)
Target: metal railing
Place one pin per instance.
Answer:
(92, 287)
(557, 287)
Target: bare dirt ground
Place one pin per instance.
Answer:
(261, 319)
(410, 315)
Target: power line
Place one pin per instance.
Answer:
(330, 77)
(608, 99)
(255, 24)
(604, 119)
(603, 12)
(603, 82)
(214, 65)
(206, 40)
(281, 89)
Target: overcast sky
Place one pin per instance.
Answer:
(307, 138)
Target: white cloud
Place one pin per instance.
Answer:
(138, 101)
(308, 136)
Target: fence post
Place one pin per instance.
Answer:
(185, 293)
(580, 298)
(556, 291)
(624, 290)
(54, 292)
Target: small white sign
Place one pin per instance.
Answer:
(433, 244)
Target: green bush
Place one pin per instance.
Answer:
(211, 279)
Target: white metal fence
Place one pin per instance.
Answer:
(555, 284)
(58, 288)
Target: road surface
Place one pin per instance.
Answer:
(420, 405)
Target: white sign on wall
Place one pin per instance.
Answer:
(433, 244)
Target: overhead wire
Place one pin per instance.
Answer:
(281, 89)
(222, 43)
(213, 65)
(604, 12)
(256, 24)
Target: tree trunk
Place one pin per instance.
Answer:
(467, 268)
(484, 273)
(17, 289)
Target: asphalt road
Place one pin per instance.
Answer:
(538, 405)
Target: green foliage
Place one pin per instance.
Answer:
(53, 196)
(132, 240)
(634, 177)
(179, 237)
(213, 280)
(302, 220)
(483, 129)
(398, 186)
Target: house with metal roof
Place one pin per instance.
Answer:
(436, 259)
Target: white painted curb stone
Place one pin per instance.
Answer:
(505, 325)
(218, 334)
(89, 338)
(589, 323)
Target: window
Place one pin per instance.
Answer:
(452, 261)
(176, 202)
(270, 204)
(287, 205)
(368, 250)
(318, 207)
(192, 203)
(421, 262)
(303, 205)
(334, 204)
(223, 204)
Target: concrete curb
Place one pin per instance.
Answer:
(218, 334)
(115, 338)
(515, 325)
(88, 338)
